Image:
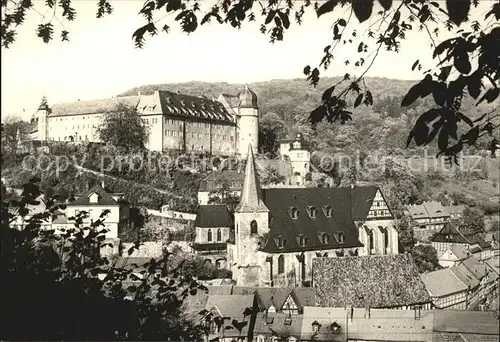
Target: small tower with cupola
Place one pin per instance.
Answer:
(41, 118)
(247, 122)
(251, 223)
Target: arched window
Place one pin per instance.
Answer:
(370, 241)
(294, 212)
(219, 235)
(340, 237)
(253, 228)
(312, 212)
(281, 264)
(209, 235)
(325, 239)
(328, 211)
(386, 238)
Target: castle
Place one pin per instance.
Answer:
(276, 233)
(225, 126)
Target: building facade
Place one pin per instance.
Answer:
(176, 121)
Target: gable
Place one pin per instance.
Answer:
(93, 198)
(379, 207)
(289, 303)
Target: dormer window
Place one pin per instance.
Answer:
(325, 239)
(280, 241)
(335, 327)
(302, 240)
(294, 212)
(340, 237)
(94, 198)
(328, 211)
(312, 212)
(315, 326)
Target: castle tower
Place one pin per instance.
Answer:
(300, 158)
(247, 122)
(42, 120)
(251, 220)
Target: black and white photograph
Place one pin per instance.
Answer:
(250, 170)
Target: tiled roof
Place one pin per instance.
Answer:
(231, 306)
(281, 202)
(467, 322)
(278, 324)
(103, 199)
(361, 200)
(443, 283)
(475, 267)
(91, 106)
(377, 281)
(304, 296)
(449, 229)
(460, 251)
(213, 215)
(465, 276)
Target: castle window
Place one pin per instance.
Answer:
(281, 264)
(312, 212)
(253, 227)
(294, 212)
(325, 239)
(340, 237)
(219, 235)
(209, 235)
(328, 211)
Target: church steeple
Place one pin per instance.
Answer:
(251, 195)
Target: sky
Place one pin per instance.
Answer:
(101, 60)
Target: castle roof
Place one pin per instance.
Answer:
(251, 194)
(91, 106)
(377, 281)
(248, 99)
(213, 215)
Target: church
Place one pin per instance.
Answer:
(180, 122)
(277, 232)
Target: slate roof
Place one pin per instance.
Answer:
(230, 305)
(377, 281)
(104, 197)
(277, 324)
(442, 283)
(280, 202)
(450, 229)
(91, 106)
(361, 199)
(477, 268)
(213, 215)
(465, 276)
(467, 322)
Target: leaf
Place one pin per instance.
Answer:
(414, 65)
(342, 22)
(445, 72)
(439, 93)
(472, 135)
(358, 100)
(474, 85)
(462, 63)
(443, 138)
(420, 89)
(458, 10)
(174, 5)
(420, 133)
(490, 95)
(362, 9)
(360, 47)
(465, 118)
(284, 19)
(307, 70)
(386, 4)
(270, 16)
(327, 94)
(327, 7)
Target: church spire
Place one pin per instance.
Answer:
(251, 195)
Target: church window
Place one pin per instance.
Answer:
(370, 241)
(325, 239)
(253, 227)
(312, 212)
(219, 235)
(209, 235)
(328, 211)
(294, 212)
(386, 238)
(281, 264)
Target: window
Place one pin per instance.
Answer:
(281, 242)
(219, 235)
(370, 241)
(253, 227)
(209, 235)
(302, 241)
(325, 239)
(312, 212)
(315, 326)
(328, 211)
(386, 238)
(294, 212)
(281, 264)
(340, 237)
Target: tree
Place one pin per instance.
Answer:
(56, 278)
(426, 258)
(271, 176)
(14, 132)
(452, 77)
(224, 195)
(123, 128)
(443, 199)
(271, 125)
(472, 220)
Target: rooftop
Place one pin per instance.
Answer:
(212, 216)
(443, 283)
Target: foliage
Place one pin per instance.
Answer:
(470, 54)
(271, 125)
(443, 199)
(196, 266)
(14, 133)
(123, 128)
(426, 258)
(472, 220)
(405, 231)
(490, 208)
(61, 277)
(224, 195)
(271, 176)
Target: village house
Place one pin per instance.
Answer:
(277, 327)
(177, 122)
(453, 256)
(446, 289)
(389, 281)
(451, 235)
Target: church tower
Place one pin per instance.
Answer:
(251, 220)
(247, 121)
(42, 120)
